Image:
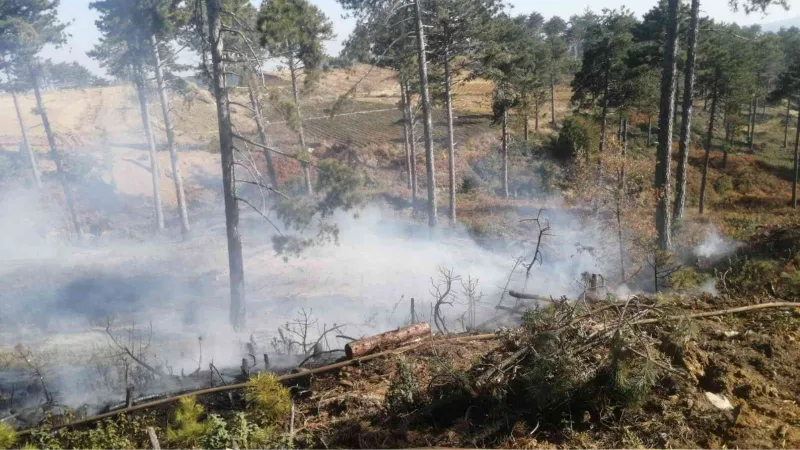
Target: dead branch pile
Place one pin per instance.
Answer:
(576, 360)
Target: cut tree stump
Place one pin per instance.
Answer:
(387, 340)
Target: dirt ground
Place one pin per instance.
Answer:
(749, 359)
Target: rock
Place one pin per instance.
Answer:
(719, 401)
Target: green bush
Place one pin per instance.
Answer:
(217, 435)
(404, 393)
(187, 431)
(8, 437)
(576, 135)
(753, 276)
(723, 185)
(469, 184)
(686, 278)
(268, 400)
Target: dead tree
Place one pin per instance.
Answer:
(469, 290)
(36, 366)
(441, 292)
(543, 230)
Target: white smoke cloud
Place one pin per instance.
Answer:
(62, 295)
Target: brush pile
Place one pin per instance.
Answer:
(652, 372)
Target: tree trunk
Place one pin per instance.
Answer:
(786, 125)
(387, 340)
(505, 154)
(430, 167)
(753, 127)
(707, 156)
(536, 119)
(412, 144)
(686, 121)
(796, 160)
(173, 150)
(705, 101)
(677, 96)
(300, 132)
(262, 132)
(525, 120)
(553, 100)
(37, 179)
(406, 143)
(451, 145)
(235, 263)
(56, 157)
(749, 119)
(151, 146)
(620, 197)
(649, 130)
(725, 145)
(603, 119)
(666, 111)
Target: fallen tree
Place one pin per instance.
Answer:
(399, 336)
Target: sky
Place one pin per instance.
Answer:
(84, 34)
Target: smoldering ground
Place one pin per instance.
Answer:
(59, 298)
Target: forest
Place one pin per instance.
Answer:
(233, 239)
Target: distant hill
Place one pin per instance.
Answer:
(786, 23)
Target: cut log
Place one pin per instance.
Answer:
(387, 340)
(522, 296)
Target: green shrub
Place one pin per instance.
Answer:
(404, 393)
(686, 278)
(268, 400)
(742, 185)
(8, 437)
(723, 185)
(753, 276)
(187, 431)
(217, 435)
(469, 184)
(576, 135)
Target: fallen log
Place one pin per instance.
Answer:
(524, 296)
(389, 339)
(282, 378)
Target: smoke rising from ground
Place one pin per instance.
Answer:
(60, 297)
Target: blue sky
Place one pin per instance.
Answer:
(84, 34)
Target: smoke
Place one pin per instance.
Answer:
(59, 297)
(715, 246)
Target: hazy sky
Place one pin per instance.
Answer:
(85, 35)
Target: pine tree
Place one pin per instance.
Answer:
(26, 27)
(293, 31)
(599, 82)
(457, 27)
(124, 51)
